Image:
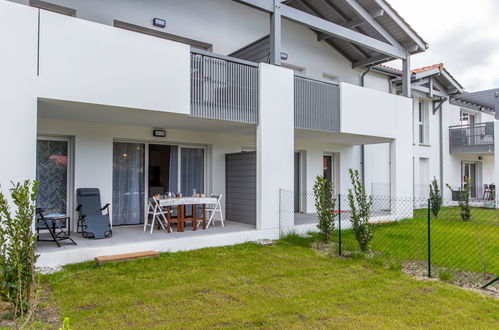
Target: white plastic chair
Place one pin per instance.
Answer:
(157, 213)
(214, 208)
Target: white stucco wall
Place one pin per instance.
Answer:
(275, 141)
(366, 111)
(228, 26)
(17, 96)
(94, 63)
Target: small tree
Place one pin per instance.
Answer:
(464, 200)
(18, 247)
(360, 205)
(325, 204)
(435, 198)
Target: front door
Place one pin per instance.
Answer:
(468, 170)
(53, 173)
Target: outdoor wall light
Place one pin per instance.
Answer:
(159, 133)
(159, 22)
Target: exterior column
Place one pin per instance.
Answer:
(18, 103)
(401, 163)
(406, 76)
(275, 142)
(275, 34)
(496, 155)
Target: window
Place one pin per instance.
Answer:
(467, 118)
(422, 119)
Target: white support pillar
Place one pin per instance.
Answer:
(275, 34)
(406, 76)
(18, 103)
(401, 162)
(275, 142)
(496, 154)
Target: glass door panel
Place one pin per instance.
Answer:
(52, 173)
(191, 171)
(128, 183)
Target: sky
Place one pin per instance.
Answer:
(462, 34)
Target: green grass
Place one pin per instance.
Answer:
(454, 243)
(286, 285)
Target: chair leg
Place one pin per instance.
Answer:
(221, 217)
(212, 213)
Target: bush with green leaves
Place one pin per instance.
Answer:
(464, 200)
(325, 204)
(18, 247)
(360, 206)
(435, 198)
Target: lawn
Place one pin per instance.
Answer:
(456, 244)
(286, 285)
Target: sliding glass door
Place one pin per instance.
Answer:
(191, 171)
(52, 171)
(128, 183)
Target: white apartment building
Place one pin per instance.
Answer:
(452, 140)
(253, 97)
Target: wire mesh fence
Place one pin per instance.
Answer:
(449, 243)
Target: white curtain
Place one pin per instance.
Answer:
(128, 183)
(192, 173)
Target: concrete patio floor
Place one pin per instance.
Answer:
(133, 239)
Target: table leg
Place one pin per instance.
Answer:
(180, 216)
(203, 216)
(194, 217)
(168, 219)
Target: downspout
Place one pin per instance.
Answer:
(441, 146)
(362, 146)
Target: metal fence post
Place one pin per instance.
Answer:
(339, 224)
(429, 238)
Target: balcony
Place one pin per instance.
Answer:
(472, 139)
(317, 104)
(223, 88)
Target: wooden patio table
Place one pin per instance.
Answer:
(181, 203)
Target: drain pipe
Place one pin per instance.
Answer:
(362, 146)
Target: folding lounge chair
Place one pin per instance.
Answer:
(92, 222)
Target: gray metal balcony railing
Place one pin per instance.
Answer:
(317, 104)
(472, 139)
(223, 88)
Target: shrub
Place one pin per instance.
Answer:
(18, 247)
(325, 204)
(435, 198)
(360, 205)
(464, 200)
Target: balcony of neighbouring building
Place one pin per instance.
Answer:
(472, 139)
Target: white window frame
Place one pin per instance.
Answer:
(423, 121)
(146, 143)
(70, 194)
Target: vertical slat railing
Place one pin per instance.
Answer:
(317, 104)
(223, 88)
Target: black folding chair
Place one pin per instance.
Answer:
(92, 222)
(53, 226)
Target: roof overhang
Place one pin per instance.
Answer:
(366, 32)
(434, 81)
(486, 101)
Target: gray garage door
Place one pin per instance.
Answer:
(240, 187)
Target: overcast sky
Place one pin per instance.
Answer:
(462, 34)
